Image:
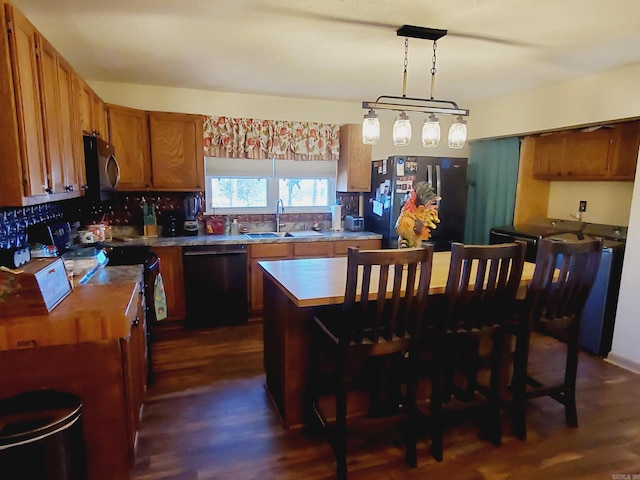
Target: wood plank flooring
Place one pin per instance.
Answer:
(208, 416)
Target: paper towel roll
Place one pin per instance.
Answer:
(336, 218)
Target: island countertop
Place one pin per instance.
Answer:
(101, 309)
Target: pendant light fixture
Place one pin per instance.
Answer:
(402, 126)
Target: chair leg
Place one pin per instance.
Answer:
(411, 409)
(339, 440)
(435, 413)
(571, 373)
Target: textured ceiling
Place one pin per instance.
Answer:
(340, 49)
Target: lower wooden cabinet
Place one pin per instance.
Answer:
(173, 280)
(283, 251)
(109, 378)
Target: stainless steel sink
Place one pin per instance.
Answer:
(255, 235)
(302, 233)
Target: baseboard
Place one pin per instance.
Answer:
(623, 363)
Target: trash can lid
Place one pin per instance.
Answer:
(31, 416)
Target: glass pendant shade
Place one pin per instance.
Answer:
(402, 130)
(458, 134)
(370, 128)
(431, 132)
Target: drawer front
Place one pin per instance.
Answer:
(313, 249)
(270, 250)
(341, 246)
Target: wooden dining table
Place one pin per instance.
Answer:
(293, 289)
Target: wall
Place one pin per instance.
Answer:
(598, 98)
(607, 202)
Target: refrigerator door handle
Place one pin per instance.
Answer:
(430, 175)
(438, 183)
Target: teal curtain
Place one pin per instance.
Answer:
(493, 176)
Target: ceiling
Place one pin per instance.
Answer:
(340, 49)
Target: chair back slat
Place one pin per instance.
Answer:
(482, 283)
(562, 279)
(403, 277)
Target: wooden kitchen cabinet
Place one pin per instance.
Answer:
(287, 250)
(340, 247)
(107, 373)
(257, 252)
(607, 153)
(354, 164)
(157, 151)
(38, 154)
(173, 280)
(92, 111)
(129, 135)
(177, 151)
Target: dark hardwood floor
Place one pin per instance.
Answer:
(208, 416)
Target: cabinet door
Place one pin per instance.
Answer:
(22, 40)
(623, 155)
(177, 151)
(52, 116)
(587, 153)
(269, 251)
(85, 104)
(549, 155)
(129, 135)
(173, 280)
(354, 164)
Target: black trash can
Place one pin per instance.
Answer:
(41, 437)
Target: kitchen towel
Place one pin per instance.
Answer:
(159, 298)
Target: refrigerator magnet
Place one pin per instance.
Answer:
(400, 168)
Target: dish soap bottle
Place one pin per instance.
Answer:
(234, 227)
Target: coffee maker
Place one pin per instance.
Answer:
(192, 204)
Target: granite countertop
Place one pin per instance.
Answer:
(185, 241)
(116, 274)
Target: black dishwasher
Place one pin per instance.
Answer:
(215, 283)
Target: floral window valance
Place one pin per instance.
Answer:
(253, 138)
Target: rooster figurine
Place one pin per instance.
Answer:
(419, 215)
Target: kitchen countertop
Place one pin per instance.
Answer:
(185, 241)
(101, 309)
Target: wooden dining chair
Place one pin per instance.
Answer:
(467, 331)
(374, 321)
(562, 279)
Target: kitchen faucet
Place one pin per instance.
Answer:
(279, 210)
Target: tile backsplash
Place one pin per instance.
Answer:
(126, 211)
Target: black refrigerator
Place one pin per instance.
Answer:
(393, 178)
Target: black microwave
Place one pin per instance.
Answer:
(103, 172)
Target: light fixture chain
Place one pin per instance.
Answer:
(433, 68)
(406, 63)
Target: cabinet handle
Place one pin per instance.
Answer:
(136, 322)
(48, 190)
(68, 188)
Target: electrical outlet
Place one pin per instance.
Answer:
(583, 206)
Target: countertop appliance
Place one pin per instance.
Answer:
(192, 204)
(215, 283)
(103, 172)
(393, 178)
(598, 316)
(170, 226)
(353, 224)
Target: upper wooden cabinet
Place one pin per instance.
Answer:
(129, 135)
(354, 164)
(157, 150)
(38, 154)
(606, 153)
(92, 110)
(177, 151)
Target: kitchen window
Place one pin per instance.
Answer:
(235, 186)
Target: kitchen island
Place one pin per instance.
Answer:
(92, 345)
(292, 290)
